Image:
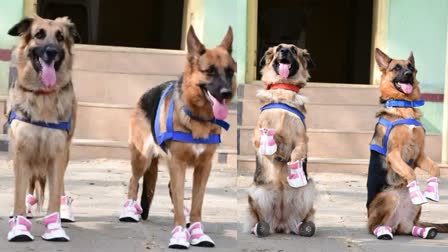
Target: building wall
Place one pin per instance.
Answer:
(421, 27)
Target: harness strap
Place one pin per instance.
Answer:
(389, 126)
(284, 107)
(60, 126)
(404, 103)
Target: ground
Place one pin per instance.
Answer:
(99, 188)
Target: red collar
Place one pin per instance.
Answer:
(39, 91)
(286, 86)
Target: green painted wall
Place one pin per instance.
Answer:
(218, 15)
(421, 26)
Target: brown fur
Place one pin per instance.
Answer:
(40, 153)
(146, 153)
(271, 199)
(393, 207)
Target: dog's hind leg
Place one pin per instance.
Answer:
(432, 188)
(381, 212)
(258, 226)
(149, 187)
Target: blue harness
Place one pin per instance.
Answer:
(60, 126)
(180, 136)
(390, 125)
(284, 107)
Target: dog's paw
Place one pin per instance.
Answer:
(307, 229)
(267, 143)
(261, 229)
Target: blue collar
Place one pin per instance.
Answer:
(60, 126)
(285, 107)
(403, 104)
(180, 136)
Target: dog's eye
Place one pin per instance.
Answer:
(397, 68)
(40, 34)
(211, 71)
(229, 71)
(59, 36)
(278, 48)
(293, 50)
(411, 67)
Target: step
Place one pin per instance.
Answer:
(246, 166)
(349, 144)
(323, 116)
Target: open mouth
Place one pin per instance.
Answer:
(284, 67)
(220, 108)
(405, 87)
(46, 67)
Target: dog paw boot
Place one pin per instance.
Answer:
(19, 229)
(197, 236)
(432, 189)
(54, 230)
(180, 238)
(306, 229)
(66, 209)
(131, 211)
(383, 233)
(296, 177)
(424, 232)
(267, 142)
(261, 229)
(30, 201)
(417, 197)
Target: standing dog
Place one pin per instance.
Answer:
(282, 196)
(42, 115)
(397, 148)
(184, 118)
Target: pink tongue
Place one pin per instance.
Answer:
(220, 110)
(48, 73)
(283, 70)
(406, 87)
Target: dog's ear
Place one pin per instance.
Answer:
(411, 59)
(267, 57)
(309, 61)
(227, 41)
(194, 46)
(382, 59)
(21, 27)
(71, 27)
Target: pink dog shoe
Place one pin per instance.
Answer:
(424, 232)
(267, 142)
(198, 238)
(20, 228)
(417, 197)
(383, 233)
(432, 189)
(297, 176)
(131, 211)
(30, 201)
(54, 230)
(66, 209)
(179, 238)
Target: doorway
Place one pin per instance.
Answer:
(338, 35)
(136, 23)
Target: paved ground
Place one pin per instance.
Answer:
(99, 189)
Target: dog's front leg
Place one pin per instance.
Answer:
(297, 174)
(432, 188)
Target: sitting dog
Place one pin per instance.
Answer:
(42, 115)
(281, 197)
(397, 148)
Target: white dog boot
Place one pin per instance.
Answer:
(66, 209)
(267, 142)
(197, 236)
(296, 177)
(131, 211)
(54, 230)
(30, 201)
(417, 197)
(432, 189)
(180, 238)
(424, 232)
(383, 233)
(19, 229)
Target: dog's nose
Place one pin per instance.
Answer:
(408, 73)
(226, 93)
(284, 50)
(50, 53)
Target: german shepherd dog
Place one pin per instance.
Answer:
(394, 197)
(281, 197)
(42, 116)
(197, 101)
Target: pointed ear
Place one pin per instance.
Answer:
(382, 59)
(309, 61)
(74, 33)
(411, 59)
(267, 57)
(21, 27)
(195, 47)
(227, 41)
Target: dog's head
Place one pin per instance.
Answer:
(286, 63)
(210, 75)
(398, 80)
(44, 54)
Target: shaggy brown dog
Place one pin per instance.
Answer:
(392, 207)
(199, 99)
(281, 198)
(42, 115)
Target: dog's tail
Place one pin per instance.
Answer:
(149, 186)
(441, 228)
(40, 184)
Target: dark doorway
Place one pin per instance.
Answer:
(134, 23)
(338, 34)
